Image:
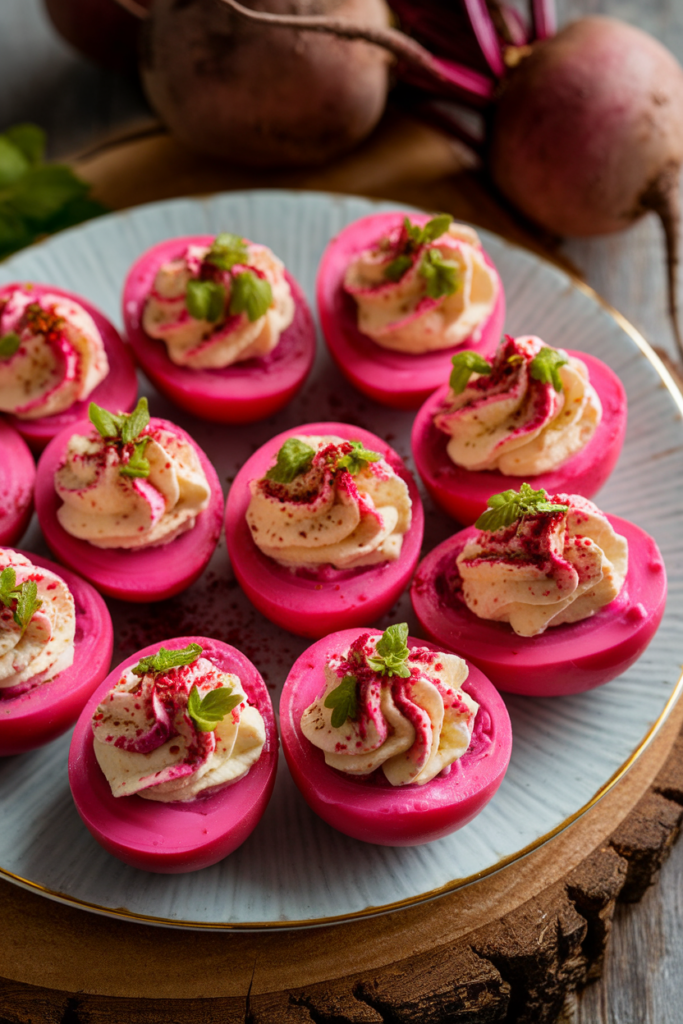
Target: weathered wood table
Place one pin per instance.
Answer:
(556, 912)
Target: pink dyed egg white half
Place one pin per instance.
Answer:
(463, 493)
(43, 712)
(370, 808)
(314, 602)
(564, 659)
(17, 477)
(241, 393)
(399, 379)
(118, 390)
(146, 574)
(175, 837)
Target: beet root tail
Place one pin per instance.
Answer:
(663, 198)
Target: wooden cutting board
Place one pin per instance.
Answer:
(508, 947)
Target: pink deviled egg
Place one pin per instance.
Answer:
(57, 352)
(324, 526)
(219, 326)
(132, 502)
(56, 640)
(391, 740)
(547, 595)
(173, 759)
(556, 418)
(17, 477)
(398, 295)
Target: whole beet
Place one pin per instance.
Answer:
(588, 128)
(263, 98)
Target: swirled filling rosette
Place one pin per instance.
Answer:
(56, 351)
(398, 294)
(219, 326)
(547, 594)
(55, 645)
(548, 415)
(369, 720)
(188, 725)
(323, 525)
(138, 488)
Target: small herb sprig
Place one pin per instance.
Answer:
(24, 597)
(504, 509)
(249, 293)
(358, 458)
(125, 428)
(440, 274)
(464, 365)
(9, 344)
(293, 459)
(164, 659)
(391, 652)
(206, 712)
(344, 701)
(545, 367)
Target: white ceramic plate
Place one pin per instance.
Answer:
(294, 870)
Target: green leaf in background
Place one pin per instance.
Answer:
(226, 251)
(37, 199)
(440, 274)
(29, 139)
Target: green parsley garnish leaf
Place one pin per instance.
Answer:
(163, 660)
(440, 274)
(436, 227)
(123, 426)
(250, 294)
(9, 344)
(357, 459)
(226, 251)
(391, 652)
(344, 700)
(464, 365)
(206, 712)
(545, 366)
(395, 270)
(25, 595)
(134, 423)
(137, 464)
(205, 300)
(503, 509)
(294, 458)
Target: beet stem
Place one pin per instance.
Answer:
(134, 8)
(663, 198)
(485, 32)
(508, 23)
(445, 77)
(543, 18)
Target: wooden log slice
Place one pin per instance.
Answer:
(510, 946)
